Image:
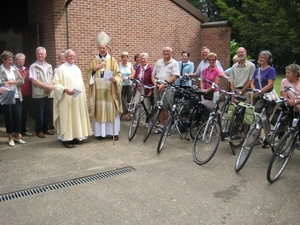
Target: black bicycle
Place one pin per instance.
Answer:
(157, 108)
(183, 116)
(212, 131)
(140, 110)
(285, 147)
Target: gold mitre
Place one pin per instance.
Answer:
(103, 39)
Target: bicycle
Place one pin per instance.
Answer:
(259, 121)
(284, 149)
(139, 111)
(128, 106)
(238, 129)
(212, 131)
(182, 116)
(157, 108)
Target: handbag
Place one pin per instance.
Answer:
(209, 95)
(8, 97)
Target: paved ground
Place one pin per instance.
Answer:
(168, 188)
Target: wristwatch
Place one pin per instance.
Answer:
(239, 92)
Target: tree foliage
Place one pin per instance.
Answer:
(261, 25)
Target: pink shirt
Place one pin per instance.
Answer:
(211, 76)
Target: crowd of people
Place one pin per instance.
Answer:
(60, 96)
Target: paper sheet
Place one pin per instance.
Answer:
(76, 92)
(107, 75)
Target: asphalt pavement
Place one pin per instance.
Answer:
(165, 188)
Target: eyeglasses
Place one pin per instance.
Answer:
(211, 60)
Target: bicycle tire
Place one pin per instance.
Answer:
(247, 148)
(281, 156)
(280, 127)
(236, 133)
(135, 121)
(206, 142)
(165, 133)
(151, 122)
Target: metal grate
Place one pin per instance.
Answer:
(64, 184)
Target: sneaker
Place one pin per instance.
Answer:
(158, 131)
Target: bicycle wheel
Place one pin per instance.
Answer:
(247, 148)
(151, 122)
(281, 156)
(206, 142)
(135, 121)
(275, 136)
(165, 133)
(236, 133)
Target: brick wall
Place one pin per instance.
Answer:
(216, 36)
(134, 26)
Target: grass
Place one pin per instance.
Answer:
(279, 77)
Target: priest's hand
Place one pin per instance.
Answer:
(100, 66)
(69, 91)
(112, 79)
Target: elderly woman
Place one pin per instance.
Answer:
(292, 73)
(127, 70)
(263, 79)
(210, 74)
(143, 73)
(10, 77)
(105, 85)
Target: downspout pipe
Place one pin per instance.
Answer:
(67, 3)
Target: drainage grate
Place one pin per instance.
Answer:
(64, 184)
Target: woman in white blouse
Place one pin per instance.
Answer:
(11, 78)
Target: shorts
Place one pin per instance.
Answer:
(168, 98)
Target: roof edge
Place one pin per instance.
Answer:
(192, 10)
(224, 23)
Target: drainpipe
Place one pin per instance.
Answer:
(67, 3)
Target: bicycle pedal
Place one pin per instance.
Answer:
(228, 139)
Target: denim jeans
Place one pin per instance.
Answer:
(13, 117)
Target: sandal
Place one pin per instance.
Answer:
(123, 117)
(128, 116)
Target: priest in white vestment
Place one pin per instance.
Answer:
(70, 111)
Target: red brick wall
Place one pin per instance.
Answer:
(134, 26)
(217, 39)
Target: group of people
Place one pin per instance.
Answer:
(60, 97)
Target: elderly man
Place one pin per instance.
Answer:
(71, 117)
(241, 74)
(164, 69)
(105, 88)
(204, 63)
(41, 75)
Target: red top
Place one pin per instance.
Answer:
(25, 88)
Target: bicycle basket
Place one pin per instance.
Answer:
(249, 115)
(230, 111)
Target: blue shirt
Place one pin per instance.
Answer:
(184, 68)
(267, 74)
